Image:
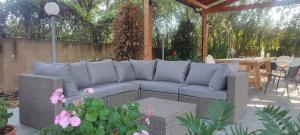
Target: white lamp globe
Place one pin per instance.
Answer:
(52, 8)
(163, 31)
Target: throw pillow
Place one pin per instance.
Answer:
(201, 73)
(124, 71)
(61, 70)
(218, 81)
(171, 71)
(81, 74)
(102, 72)
(143, 69)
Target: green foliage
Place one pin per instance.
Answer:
(4, 114)
(184, 41)
(128, 30)
(219, 113)
(97, 118)
(275, 120)
(238, 130)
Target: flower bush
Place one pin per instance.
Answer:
(89, 116)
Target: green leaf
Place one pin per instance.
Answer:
(91, 116)
(100, 131)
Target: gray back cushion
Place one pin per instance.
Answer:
(60, 70)
(219, 79)
(171, 71)
(102, 72)
(81, 74)
(143, 69)
(201, 73)
(124, 71)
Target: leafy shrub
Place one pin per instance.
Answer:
(4, 114)
(275, 120)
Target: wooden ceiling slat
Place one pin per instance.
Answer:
(228, 2)
(253, 6)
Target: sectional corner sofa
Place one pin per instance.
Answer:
(121, 82)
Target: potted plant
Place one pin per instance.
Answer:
(4, 116)
(92, 116)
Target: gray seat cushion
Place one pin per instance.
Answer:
(98, 93)
(102, 72)
(160, 86)
(124, 71)
(81, 74)
(202, 92)
(144, 69)
(104, 90)
(201, 73)
(60, 70)
(219, 79)
(118, 88)
(171, 71)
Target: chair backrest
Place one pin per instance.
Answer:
(283, 61)
(210, 59)
(294, 67)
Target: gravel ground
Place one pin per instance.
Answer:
(10, 99)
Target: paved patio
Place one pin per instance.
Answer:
(256, 100)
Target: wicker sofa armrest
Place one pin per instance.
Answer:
(34, 97)
(238, 93)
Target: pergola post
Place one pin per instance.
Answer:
(147, 30)
(204, 34)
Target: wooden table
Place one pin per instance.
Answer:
(253, 64)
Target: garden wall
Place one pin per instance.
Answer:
(17, 56)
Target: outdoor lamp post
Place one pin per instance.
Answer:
(52, 9)
(163, 33)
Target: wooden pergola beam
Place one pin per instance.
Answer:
(197, 4)
(147, 30)
(270, 4)
(204, 34)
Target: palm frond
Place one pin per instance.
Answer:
(276, 121)
(238, 130)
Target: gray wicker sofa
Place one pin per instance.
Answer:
(126, 81)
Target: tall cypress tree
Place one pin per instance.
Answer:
(128, 30)
(184, 41)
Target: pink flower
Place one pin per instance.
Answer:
(74, 113)
(57, 96)
(144, 132)
(75, 121)
(147, 120)
(64, 113)
(89, 90)
(64, 121)
(149, 111)
(57, 119)
(58, 91)
(54, 99)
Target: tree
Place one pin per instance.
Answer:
(128, 30)
(184, 41)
